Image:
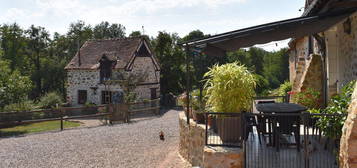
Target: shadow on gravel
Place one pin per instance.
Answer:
(12, 134)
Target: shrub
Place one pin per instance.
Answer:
(309, 98)
(50, 100)
(27, 105)
(284, 88)
(332, 126)
(230, 88)
(14, 87)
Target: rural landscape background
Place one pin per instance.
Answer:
(33, 60)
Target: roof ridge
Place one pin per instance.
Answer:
(117, 38)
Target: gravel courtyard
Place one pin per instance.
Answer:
(123, 145)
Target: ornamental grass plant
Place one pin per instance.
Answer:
(229, 88)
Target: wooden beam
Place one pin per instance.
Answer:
(344, 4)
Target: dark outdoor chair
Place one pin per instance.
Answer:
(251, 122)
(286, 125)
(262, 121)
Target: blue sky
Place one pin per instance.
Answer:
(180, 16)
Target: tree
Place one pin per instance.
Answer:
(105, 30)
(38, 41)
(13, 45)
(241, 56)
(172, 59)
(14, 87)
(135, 34)
(194, 35)
(257, 59)
(78, 33)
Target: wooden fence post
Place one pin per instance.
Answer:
(61, 115)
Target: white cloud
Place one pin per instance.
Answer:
(13, 13)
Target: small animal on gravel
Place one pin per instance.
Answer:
(162, 136)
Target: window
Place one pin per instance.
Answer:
(106, 97)
(105, 68)
(82, 96)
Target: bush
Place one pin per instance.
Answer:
(27, 105)
(230, 88)
(309, 98)
(284, 88)
(14, 87)
(332, 126)
(50, 100)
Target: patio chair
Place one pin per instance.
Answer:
(251, 122)
(286, 125)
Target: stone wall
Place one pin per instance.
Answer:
(86, 80)
(192, 148)
(298, 63)
(218, 157)
(89, 80)
(347, 52)
(192, 141)
(348, 146)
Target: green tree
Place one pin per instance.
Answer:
(13, 44)
(135, 34)
(14, 87)
(78, 33)
(38, 41)
(105, 30)
(172, 59)
(257, 59)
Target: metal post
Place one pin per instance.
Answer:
(245, 139)
(306, 153)
(206, 132)
(200, 83)
(188, 83)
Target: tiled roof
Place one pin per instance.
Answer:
(119, 50)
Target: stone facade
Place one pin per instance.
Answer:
(192, 148)
(347, 52)
(348, 146)
(341, 58)
(341, 52)
(89, 81)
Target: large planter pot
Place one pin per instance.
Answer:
(212, 123)
(229, 129)
(198, 116)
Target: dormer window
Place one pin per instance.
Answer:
(105, 68)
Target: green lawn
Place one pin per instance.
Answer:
(36, 127)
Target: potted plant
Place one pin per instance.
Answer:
(230, 88)
(183, 100)
(197, 110)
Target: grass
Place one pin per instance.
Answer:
(36, 127)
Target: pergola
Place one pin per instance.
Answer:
(218, 45)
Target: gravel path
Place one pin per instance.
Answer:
(125, 145)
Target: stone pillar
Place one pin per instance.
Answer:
(348, 146)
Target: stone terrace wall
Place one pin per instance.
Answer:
(192, 141)
(348, 148)
(192, 148)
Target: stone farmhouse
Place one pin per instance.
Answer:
(328, 60)
(98, 63)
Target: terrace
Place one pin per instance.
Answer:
(276, 137)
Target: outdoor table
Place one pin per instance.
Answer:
(276, 108)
